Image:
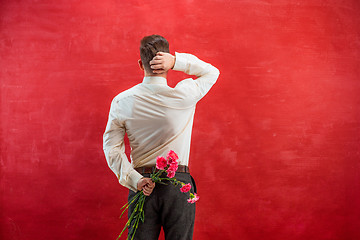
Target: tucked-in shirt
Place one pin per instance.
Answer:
(157, 118)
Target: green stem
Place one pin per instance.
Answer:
(136, 214)
(135, 228)
(129, 203)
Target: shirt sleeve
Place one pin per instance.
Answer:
(206, 73)
(114, 149)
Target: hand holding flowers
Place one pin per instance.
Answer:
(168, 165)
(146, 185)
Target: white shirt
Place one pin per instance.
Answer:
(156, 118)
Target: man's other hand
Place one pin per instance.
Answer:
(162, 62)
(146, 185)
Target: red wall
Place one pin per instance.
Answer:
(276, 144)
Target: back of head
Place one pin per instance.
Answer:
(149, 46)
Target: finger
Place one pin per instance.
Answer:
(148, 188)
(157, 66)
(158, 57)
(147, 191)
(159, 53)
(148, 181)
(156, 61)
(159, 71)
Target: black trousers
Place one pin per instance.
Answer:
(167, 207)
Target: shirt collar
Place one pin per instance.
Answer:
(155, 80)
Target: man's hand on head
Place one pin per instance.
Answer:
(146, 185)
(162, 62)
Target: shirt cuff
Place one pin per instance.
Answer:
(134, 177)
(180, 62)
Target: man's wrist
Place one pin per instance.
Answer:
(138, 184)
(180, 62)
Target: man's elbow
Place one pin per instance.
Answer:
(216, 72)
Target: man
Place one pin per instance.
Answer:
(158, 118)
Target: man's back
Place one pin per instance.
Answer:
(156, 118)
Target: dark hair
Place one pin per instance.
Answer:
(149, 46)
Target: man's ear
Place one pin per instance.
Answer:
(141, 66)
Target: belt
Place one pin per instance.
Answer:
(142, 170)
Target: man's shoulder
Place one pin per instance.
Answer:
(127, 93)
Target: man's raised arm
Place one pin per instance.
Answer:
(189, 64)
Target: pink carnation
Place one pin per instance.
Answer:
(193, 198)
(173, 167)
(170, 174)
(185, 188)
(172, 157)
(161, 163)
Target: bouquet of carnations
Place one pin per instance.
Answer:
(168, 165)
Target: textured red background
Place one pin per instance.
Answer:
(276, 144)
